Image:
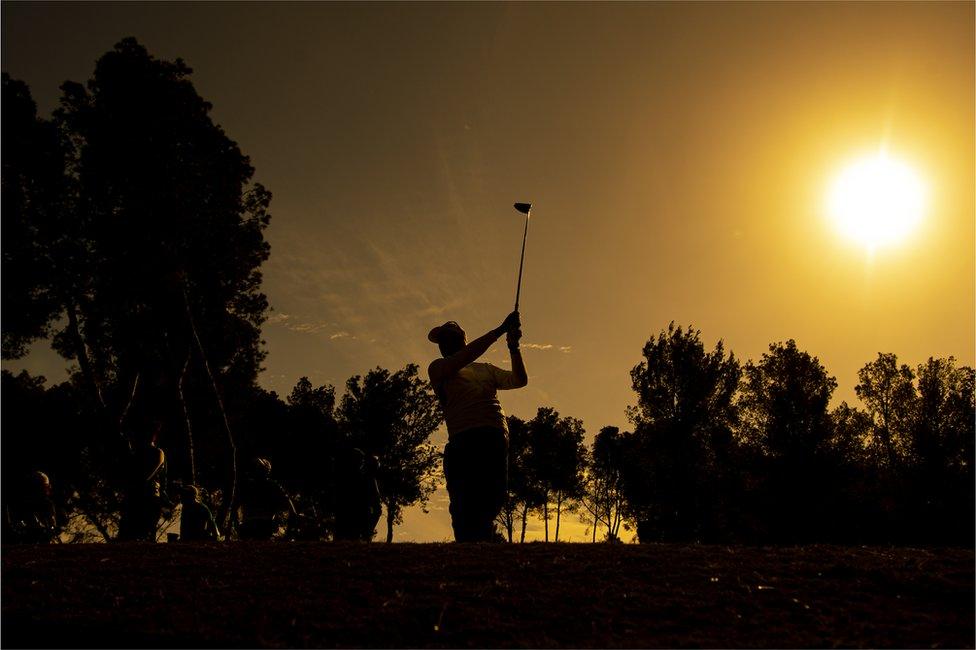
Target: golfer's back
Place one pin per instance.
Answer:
(469, 397)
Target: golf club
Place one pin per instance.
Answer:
(524, 208)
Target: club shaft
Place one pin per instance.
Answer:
(518, 288)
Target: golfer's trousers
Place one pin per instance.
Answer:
(476, 467)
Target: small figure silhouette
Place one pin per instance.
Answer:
(358, 507)
(476, 455)
(146, 497)
(263, 502)
(32, 519)
(196, 521)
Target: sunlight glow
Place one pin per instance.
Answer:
(877, 201)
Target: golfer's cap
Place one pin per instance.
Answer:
(434, 336)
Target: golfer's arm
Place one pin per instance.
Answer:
(518, 368)
(468, 354)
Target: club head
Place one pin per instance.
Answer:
(523, 207)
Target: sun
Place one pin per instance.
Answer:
(877, 201)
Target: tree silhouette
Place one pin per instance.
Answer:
(306, 451)
(392, 416)
(914, 474)
(524, 495)
(942, 450)
(859, 511)
(676, 474)
(603, 498)
(784, 400)
(150, 242)
(34, 189)
(556, 460)
(887, 390)
(943, 434)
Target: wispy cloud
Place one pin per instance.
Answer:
(373, 287)
(295, 324)
(565, 349)
(307, 328)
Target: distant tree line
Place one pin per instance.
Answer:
(133, 236)
(727, 452)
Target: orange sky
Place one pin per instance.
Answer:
(677, 155)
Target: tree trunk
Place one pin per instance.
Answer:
(889, 447)
(230, 499)
(596, 521)
(525, 521)
(129, 401)
(886, 435)
(84, 362)
(559, 509)
(390, 516)
(545, 514)
(510, 522)
(186, 418)
(615, 530)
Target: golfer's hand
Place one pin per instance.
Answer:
(513, 339)
(511, 322)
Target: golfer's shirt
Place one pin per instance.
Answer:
(469, 398)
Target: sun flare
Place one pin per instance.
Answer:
(877, 201)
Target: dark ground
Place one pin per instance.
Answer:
(444, 595)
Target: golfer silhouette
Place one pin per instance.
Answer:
(476, 456)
